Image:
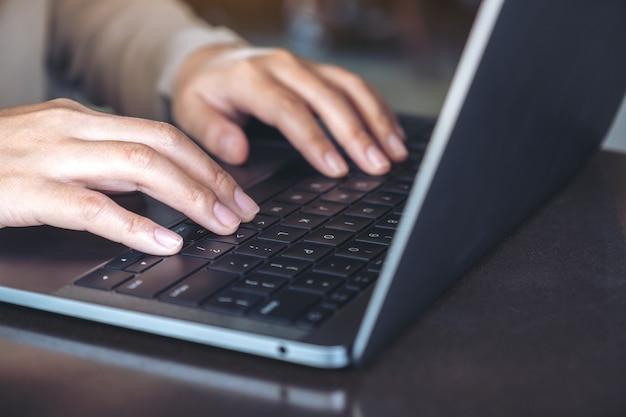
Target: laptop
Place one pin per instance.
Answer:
(331, 271)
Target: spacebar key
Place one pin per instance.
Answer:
(285, 306)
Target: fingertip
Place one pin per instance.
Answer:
(246, 204)
(397, 148)
(378, 162)
(169, 242)
(233, 147)
(335, 165)
(226, 217)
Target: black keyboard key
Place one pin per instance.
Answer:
(284, 267)
(124, 260)
(389, 222)
(304, 220)
(331, 237)
(367, 210)
(235, 264)
(418, 142)
(285, 306)
(189, 231)
(339, 298)
(197, 287)
(398, 186)
(307, 251)
(408, 173)
(207, 249)
(377, 235)
(169, 271)
(362, 184)
(341, 196)
(260, 222)
(385, 198)
(233, 302)
(104, 279)
(260, 248)
(241, 235)
(364, 251)
(377, 264)
(260, 284)
(336, 265)
(348, 223)
(323, 208)
(144, 264)
(297, 197)
(317, 185)
(316, 283)
(361, 281)
(277, 209)
(268, 188)
(283, 234)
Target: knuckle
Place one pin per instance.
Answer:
(381, 120)
(355, 81)
(284, 56)
(334, 98)
(357, 134)
(288, 103)
(220, 179)
(132, 225)
(62, 111)
(140, 156)
(66, 103)
(92, 207)
(167, 136)
(347, 78)
(197, 196)
(248, 69)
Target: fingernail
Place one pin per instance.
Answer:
(168, 239)
(245, 203)
(335, 163)
(224, 215)
(397, 147)
(377, 159)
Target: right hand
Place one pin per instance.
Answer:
(218, 86)
(59, 158)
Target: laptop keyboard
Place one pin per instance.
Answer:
(316, 245)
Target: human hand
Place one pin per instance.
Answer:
(217, 87)
(58, 159)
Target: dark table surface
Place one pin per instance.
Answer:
(538, 327)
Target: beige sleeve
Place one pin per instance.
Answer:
(125, 53)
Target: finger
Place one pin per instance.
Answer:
(339, 114)
(125, 166)
(78, 208)
(376, 113)
(168, 150)
(218, 135)
(293, 117)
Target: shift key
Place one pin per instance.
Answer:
(285, 306)
(163, 275)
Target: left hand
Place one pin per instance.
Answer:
(217, 87)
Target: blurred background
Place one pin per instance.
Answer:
(407, 49)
